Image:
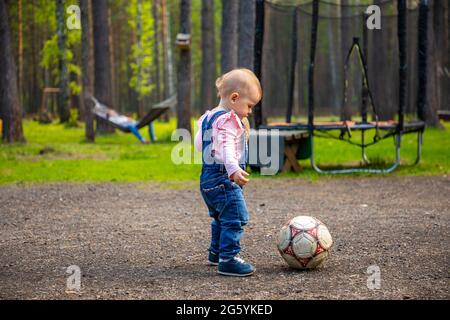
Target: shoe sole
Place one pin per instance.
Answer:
(235, 274)
(213, 263)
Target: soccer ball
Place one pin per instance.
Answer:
(304, 242)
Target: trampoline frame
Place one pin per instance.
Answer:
(398, 130)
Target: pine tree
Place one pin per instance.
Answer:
(102, 81)
(208, 56)
(87, 66)
(230, 12)
(10, 108)
(63, 97)
(184, 71)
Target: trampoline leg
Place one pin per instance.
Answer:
(419, 146)
(312, 161)
(398, 141)
(364, 157)
(363, 150)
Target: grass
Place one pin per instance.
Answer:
(55, 153)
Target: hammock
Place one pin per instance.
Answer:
(123, 122)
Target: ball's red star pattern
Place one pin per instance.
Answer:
(289, 251)
(294, 231)
(313, 233)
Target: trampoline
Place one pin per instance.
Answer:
(330, 68)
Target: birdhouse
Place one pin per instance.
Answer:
(183, 41)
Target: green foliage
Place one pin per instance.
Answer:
(141, 22)
(50, 54)
(46, 14)
(73, 119)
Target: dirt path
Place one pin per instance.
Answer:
(149, 240)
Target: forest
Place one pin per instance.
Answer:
(128, 55)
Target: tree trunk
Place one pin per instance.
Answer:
(102, 78)
(332, 36)
(247, 18)
(34, 89)
(112, 61)
(184, 71)
(118, 31)
(157, 39)
(20, 71)
(440, 29)
(208, 96)
(45, 111)
(10, 108)
(169, 89)
(446, 62)
(229, 50)
(346, 42)
(433, 103)
(64, 94)
(139, 59)
(132, 94)
(86, 55)
(258, 114)
(377, 77)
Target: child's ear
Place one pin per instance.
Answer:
(234, 96)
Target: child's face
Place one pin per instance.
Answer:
(243, 104)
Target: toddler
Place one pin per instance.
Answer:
(222, 138)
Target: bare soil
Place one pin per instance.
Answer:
(150, 240)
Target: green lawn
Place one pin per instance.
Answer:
(120, 157)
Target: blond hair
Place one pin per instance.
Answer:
(237, 80)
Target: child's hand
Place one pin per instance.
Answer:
(239, 177)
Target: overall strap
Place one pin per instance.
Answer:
(245, 156)
(207, 125)
(214, 117)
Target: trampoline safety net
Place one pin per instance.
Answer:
(286, 45)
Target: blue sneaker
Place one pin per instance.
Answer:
(213, 259)
(236, 267)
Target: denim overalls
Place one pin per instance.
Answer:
(224, 199)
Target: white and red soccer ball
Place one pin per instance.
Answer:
(304, 242)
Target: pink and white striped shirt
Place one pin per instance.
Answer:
(228, 142)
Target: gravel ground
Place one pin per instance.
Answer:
(149, 241)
